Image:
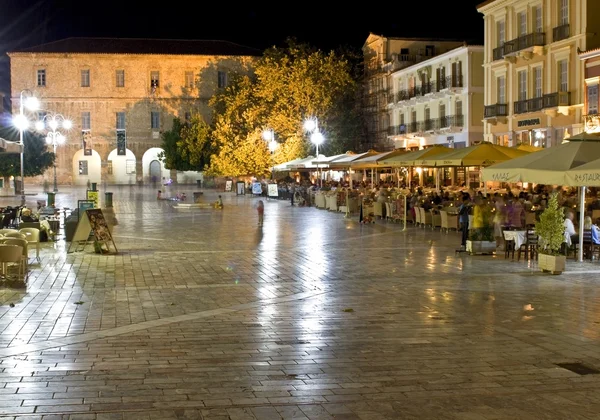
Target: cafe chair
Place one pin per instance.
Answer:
(33, 237)
(11, 254)
(23, 244)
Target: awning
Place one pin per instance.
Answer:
(374, 161)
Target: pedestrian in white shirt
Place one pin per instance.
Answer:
(571, 235)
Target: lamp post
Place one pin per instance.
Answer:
(29, 101)
(269, 135)
(53, 122)
(316, 137)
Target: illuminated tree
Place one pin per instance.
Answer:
(288, 86)
(36, 157)
(187, 145)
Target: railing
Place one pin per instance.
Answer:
(428, 87)
(451, 121)
(555, 99)
(498, 53)
(412, 92)
(411, 127)
(561, 32)
(520, 107)
(591, 121)
(402, 95)
(523, 42)
(496, 110)
(395, 130)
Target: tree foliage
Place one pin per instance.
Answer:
(36, 157)
(186, 146)
(289, 85)
(551, 227)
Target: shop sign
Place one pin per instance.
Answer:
(531, 121)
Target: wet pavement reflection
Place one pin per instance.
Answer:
(205, 314)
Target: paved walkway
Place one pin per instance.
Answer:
(204, 315)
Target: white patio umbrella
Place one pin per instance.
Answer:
(569, 164)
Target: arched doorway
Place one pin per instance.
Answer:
(155, 171)
(86, 168)
(153, 166)
(121, 169)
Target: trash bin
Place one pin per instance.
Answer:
(199, 183)
(51, 197)
(94, 186)
(108, 199)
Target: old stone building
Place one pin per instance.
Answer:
(121, 94)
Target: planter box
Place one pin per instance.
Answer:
(481, 247)
(554, 264)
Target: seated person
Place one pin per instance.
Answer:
(27, 216)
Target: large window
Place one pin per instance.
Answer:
(538, 82)
(120, 121)
(83, 167)
(501, 89)
(539, 21)
(501, 29)
(522, 85)
(154, 80)
(189, 79)
(130, 166)
(592, 99)
(222, 79)
(85, 78)
(120, 78)
(86, 123)
(564, 12)
(522, 19)
(563, 76)
(155, 120)
(41, 77)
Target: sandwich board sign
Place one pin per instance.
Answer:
(92, 223)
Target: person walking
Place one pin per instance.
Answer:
(463, 218)
(260, 208)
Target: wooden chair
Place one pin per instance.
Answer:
(21, 243)
(530, 247)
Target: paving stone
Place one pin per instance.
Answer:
(202, 315)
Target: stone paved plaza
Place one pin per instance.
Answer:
(204, 315)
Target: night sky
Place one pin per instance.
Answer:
(29, 22)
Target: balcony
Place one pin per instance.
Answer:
(495, 111)
(402, 95)
(520, 107)
(428, 87)
(397, 130)
(528, 105)
(450, 121)
(561, 32)
(556, 99)
(454, 81)
(411, 127)
(498, 53)
(524, 42)
(428, 125)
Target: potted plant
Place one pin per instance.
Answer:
(551, 231)
(481, 240)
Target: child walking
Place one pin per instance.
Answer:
(260, 208)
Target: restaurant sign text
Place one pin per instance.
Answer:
(591, 176)
(531, 121)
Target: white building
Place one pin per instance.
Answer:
(438, 101)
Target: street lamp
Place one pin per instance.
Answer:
(29, 101)
(316, 137)
(269, 135)
(54, 137)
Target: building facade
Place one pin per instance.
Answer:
(534, 78)
(591, 64)
(438, 101)
(384, 56)
(121, 94)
